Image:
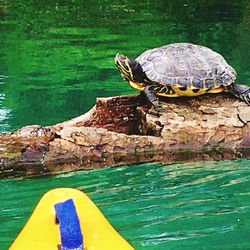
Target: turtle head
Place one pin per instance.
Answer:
(131, 70)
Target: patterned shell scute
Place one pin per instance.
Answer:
(187, 65)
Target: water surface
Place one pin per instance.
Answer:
(57, 57)
(202, 205)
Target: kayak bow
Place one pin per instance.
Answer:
(65, 219)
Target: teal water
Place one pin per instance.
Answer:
(202, 205)
(56, 57)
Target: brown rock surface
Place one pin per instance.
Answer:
(122, 130)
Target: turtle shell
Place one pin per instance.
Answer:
(185, 65)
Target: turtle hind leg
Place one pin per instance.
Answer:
(149, 92)
(240, 91)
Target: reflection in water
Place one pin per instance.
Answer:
(179, 206)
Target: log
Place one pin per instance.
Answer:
(124, 130)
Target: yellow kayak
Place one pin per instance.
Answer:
(65, 219)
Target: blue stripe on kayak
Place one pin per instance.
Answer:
(70, 231)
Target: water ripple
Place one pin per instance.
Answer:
(152, 205)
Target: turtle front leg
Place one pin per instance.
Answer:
(149, 91)
(240, 91)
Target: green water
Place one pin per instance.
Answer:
(202, 205)
(56, 57)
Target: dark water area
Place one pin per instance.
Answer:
(56, 57)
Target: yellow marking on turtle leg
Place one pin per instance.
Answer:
(136, 86)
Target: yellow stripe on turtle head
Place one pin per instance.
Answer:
(122, 63)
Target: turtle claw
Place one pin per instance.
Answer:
(149, 92)
(154, 112)
(246, 97)
(160, 109)
(157, 110)
(240, 91)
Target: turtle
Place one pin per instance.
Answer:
(180, 69)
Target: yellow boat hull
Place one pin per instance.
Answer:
(42, 232)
